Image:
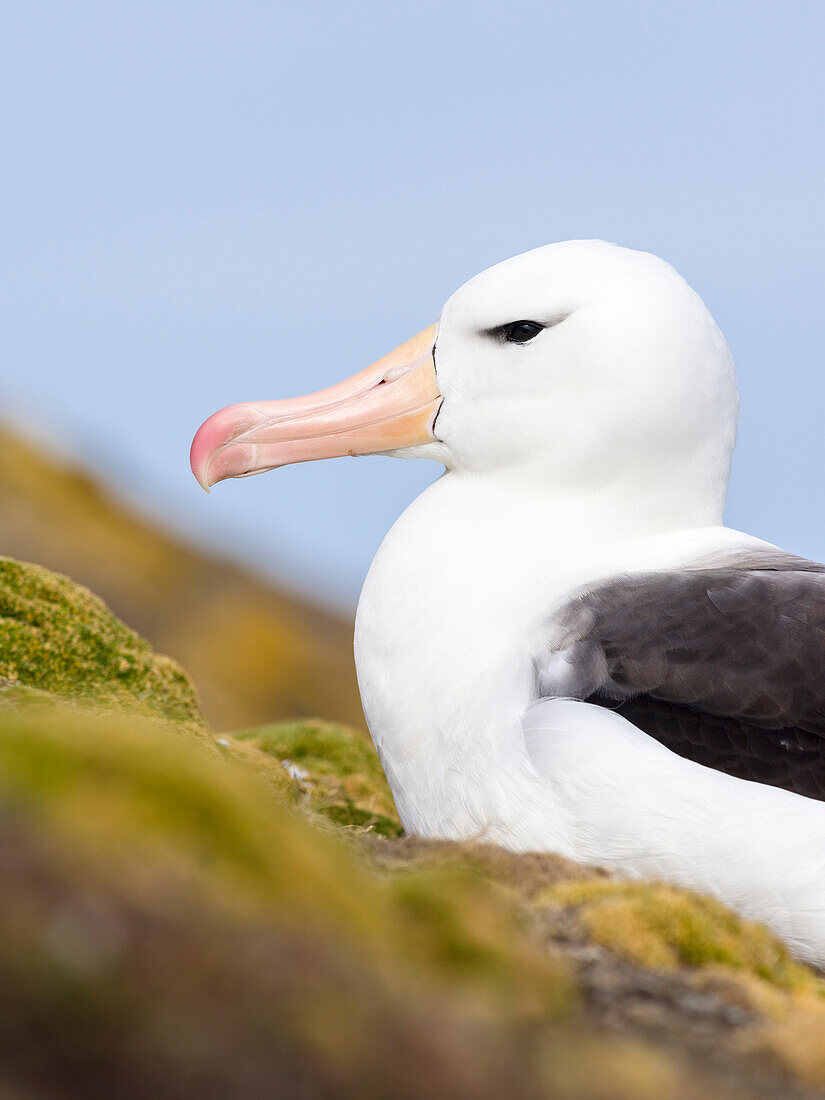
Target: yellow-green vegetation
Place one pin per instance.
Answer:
(335, 766)
(165, 921)
(659, 926)
(58, 640)
(177, 919)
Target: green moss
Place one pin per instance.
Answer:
(164, 919)
(59, 641)
(105, 780)
(347, 815)
(250, 758)
(336, 767)
(663, 927)
(127, 799)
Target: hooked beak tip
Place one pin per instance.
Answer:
(199, 461)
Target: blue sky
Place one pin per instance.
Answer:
(211, 202)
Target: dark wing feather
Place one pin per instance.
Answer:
(724, 663)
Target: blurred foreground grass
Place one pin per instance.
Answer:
(241, 917)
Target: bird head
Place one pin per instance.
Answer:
(573, 364)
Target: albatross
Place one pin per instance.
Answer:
(559, 645)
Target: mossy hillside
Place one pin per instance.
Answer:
(147, 880)
(165, 922)
(256, 652)
(333, 766)
(662, 927)
(650, 924)
(60, 642)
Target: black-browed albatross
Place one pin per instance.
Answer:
(559, 645)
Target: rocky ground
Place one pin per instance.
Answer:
(241, 916)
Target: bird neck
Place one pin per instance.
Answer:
(448, 626)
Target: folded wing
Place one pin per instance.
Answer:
(723, 662)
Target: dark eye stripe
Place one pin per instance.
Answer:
(520, 332)
(516, 332)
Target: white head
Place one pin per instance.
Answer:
(579, 367)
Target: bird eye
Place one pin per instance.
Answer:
(519, 332)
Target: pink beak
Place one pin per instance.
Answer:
(391, 404)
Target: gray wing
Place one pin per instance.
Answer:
(723, 663)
